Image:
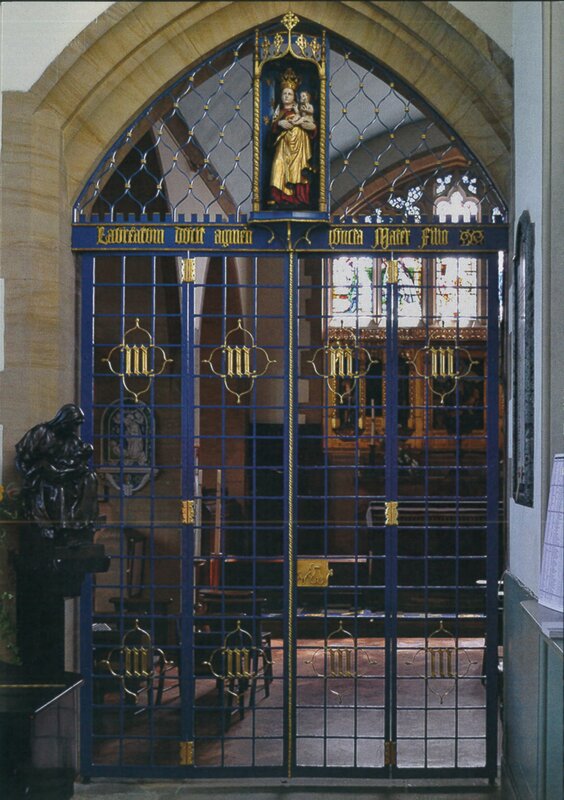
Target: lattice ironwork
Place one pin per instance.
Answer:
(300, 454)
(190, 152)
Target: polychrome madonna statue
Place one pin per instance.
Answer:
(293, 129)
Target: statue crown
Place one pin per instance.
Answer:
(289, 80)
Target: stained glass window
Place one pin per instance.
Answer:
(456, 291)
(410, 280)
(456, 279)
(449, 288)
(352, 296)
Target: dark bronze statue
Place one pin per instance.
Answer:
(56, 547)
(59, 490)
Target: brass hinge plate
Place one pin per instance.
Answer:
(392, 272)
(188, 270)
(186, 754)
(187, 508)
(390, 754)
(391, 511)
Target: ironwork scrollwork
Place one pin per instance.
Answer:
(138, 359)
(442, 662)
(238, 361)
(442, 363)
(340, 657)
(136, 656)
(236, 660)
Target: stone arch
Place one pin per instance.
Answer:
(59, 130)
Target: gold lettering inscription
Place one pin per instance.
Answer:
(470, 237)
(238, 361)
(136, 662)
(341, 362)
(442, 362)
(345, 236)
(385, 237)
(340, 662)
(441, 657)
(227, 237)
(186, 235)
(136, 360)
(238, 662)
(433, 236)
(123, 235)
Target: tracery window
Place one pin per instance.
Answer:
(446, 292)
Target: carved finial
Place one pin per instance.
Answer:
(290, 20)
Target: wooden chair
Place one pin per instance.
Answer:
(233, 646)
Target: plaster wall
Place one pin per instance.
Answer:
(553, 244)
(538, 187)
(32, 34)
(524, 522)
(35, 33)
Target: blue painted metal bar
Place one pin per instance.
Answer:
(186, 623)
(493, 521)
(290, 505)
(87, 266)
(327, 238)
(290, 439)
(391, 488)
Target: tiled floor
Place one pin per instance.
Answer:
(297, 789)
(339, 721)
(289, 790)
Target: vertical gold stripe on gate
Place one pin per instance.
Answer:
(322, 126)
(291, 643)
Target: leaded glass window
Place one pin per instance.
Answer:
(449, 288)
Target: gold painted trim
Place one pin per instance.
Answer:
(188, 512)
(256, 126)
(442, 662)
(239, 662)
(340, 657)
(313, 572)
(238, 360)
(137, 659)
(442, 365)
(33, 685)
(392, 271)
(390, 754)
(186, 754)
(188, 270)
(391, 512)
(137, 360)
(323, 130)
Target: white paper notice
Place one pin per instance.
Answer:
(551, 589)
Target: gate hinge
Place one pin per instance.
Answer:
(392, 272)
(390, 754)
(188, 270)
(188, 512)
(186, 754)
(391, 511)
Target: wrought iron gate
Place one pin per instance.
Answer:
(297, 433)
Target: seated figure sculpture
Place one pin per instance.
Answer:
(59, 490)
